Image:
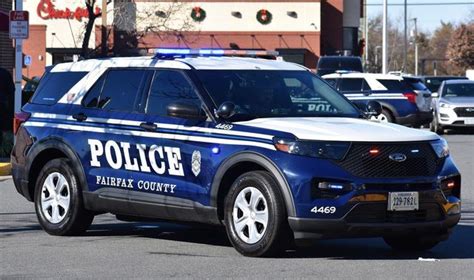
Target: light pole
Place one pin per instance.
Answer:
(415, 41)
(385, 38)
(405, 43)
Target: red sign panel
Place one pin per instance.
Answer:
(19, 25)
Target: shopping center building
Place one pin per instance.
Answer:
(301, 30)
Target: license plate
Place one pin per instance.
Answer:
(403, 201)
(469, 121)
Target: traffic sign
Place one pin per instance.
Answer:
(19, 25)
(27, 60)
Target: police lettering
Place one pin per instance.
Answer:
(159, 159)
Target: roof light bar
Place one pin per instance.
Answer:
(167, 52)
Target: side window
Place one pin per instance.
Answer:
(169, 86)
(332, 82)
(54, 85)
(91, 100)
(121, 89)
(350, 84)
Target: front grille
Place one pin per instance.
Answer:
(420, 160)
(377, 213)
(464, 111)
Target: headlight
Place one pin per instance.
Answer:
(440, 147)
(318, 149)
(445, 105)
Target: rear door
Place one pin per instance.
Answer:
(109, 121)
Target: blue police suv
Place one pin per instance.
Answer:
(264, 147)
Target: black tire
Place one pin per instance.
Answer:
(277, 236)
(436, 127)
(414, 243)
(76, 219)
(388, 114)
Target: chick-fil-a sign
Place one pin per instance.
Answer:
(47, 10)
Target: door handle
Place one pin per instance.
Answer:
(149, 126)
(79, 117)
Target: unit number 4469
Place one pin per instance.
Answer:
(324, 210)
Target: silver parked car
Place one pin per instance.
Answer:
(453, 105)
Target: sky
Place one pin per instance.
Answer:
(429, 16)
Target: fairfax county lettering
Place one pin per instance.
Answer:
(129, 184)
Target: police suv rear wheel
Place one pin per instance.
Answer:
(58, 200)
(255, 215)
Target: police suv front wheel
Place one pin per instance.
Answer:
(58, 200)
(255, 216)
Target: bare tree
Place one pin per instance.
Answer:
(133, 23)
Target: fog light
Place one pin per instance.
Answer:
(330, 186)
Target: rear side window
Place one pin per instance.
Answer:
(54, 85)
(118, 91)
(332, 82)
(416, 84)
(169, 86)
(394, 85)
(350, 84)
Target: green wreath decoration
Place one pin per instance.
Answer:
(198, 14)
(264, 16)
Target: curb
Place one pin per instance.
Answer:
(5, 168)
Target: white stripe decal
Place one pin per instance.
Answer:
(159, 125)
(374, 98)
(151, 134)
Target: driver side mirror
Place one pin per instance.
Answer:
(373, 108)
(435, 95)
(226, 110)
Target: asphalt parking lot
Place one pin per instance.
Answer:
(113, 249)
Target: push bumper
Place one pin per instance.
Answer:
(304, 228)
(417, 119)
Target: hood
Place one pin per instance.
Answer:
(468, 101)
(342, 129)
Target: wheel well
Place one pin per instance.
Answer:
(40, 160)
(228, 179)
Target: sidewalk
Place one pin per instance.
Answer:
(5, 167)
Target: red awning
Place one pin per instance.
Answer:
(4, 21)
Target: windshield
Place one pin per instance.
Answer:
(272, 93)
(459, 90)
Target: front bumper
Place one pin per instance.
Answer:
(368, 217)
(417, 119)
(448, 117)
(340, 228)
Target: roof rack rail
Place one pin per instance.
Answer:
(169, 53)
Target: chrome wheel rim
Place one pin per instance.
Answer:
(55, 197)
(380, 118)
(250, 215)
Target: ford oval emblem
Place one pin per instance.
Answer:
(398, 157)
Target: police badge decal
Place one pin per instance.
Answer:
(196, 163)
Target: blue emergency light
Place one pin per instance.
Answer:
(176, 53)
